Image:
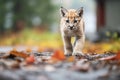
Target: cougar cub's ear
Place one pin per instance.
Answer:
(63, 11)
(80, 11)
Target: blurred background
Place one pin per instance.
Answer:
(34, 24)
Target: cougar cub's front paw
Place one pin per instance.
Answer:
(77, 53)
(68, 53)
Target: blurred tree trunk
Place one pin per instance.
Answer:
(2, 16)
(18, 21)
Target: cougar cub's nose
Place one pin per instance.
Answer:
(71, 27)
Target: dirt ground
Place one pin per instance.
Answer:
(32, 65)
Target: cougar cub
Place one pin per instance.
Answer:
(72, 25)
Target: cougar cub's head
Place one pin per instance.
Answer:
(71, 17)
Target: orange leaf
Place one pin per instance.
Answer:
(71, 59)
(117, 57)
(18, 54)
(30, 59)
(108, 58)
(58, 55)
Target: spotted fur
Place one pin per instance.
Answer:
(72, 25)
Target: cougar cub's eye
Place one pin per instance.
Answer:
(75, 21)
(67, 21)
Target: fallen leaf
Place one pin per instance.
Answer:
(10, 64)
(71, 59)
(117, 57)
(81, 66)
(18, 54)
(108, 58)
(58, 55)
(30, 59)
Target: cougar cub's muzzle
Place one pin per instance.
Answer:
(71, 27)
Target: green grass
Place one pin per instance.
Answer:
(29, 37)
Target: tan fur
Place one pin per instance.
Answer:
(77, 30)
